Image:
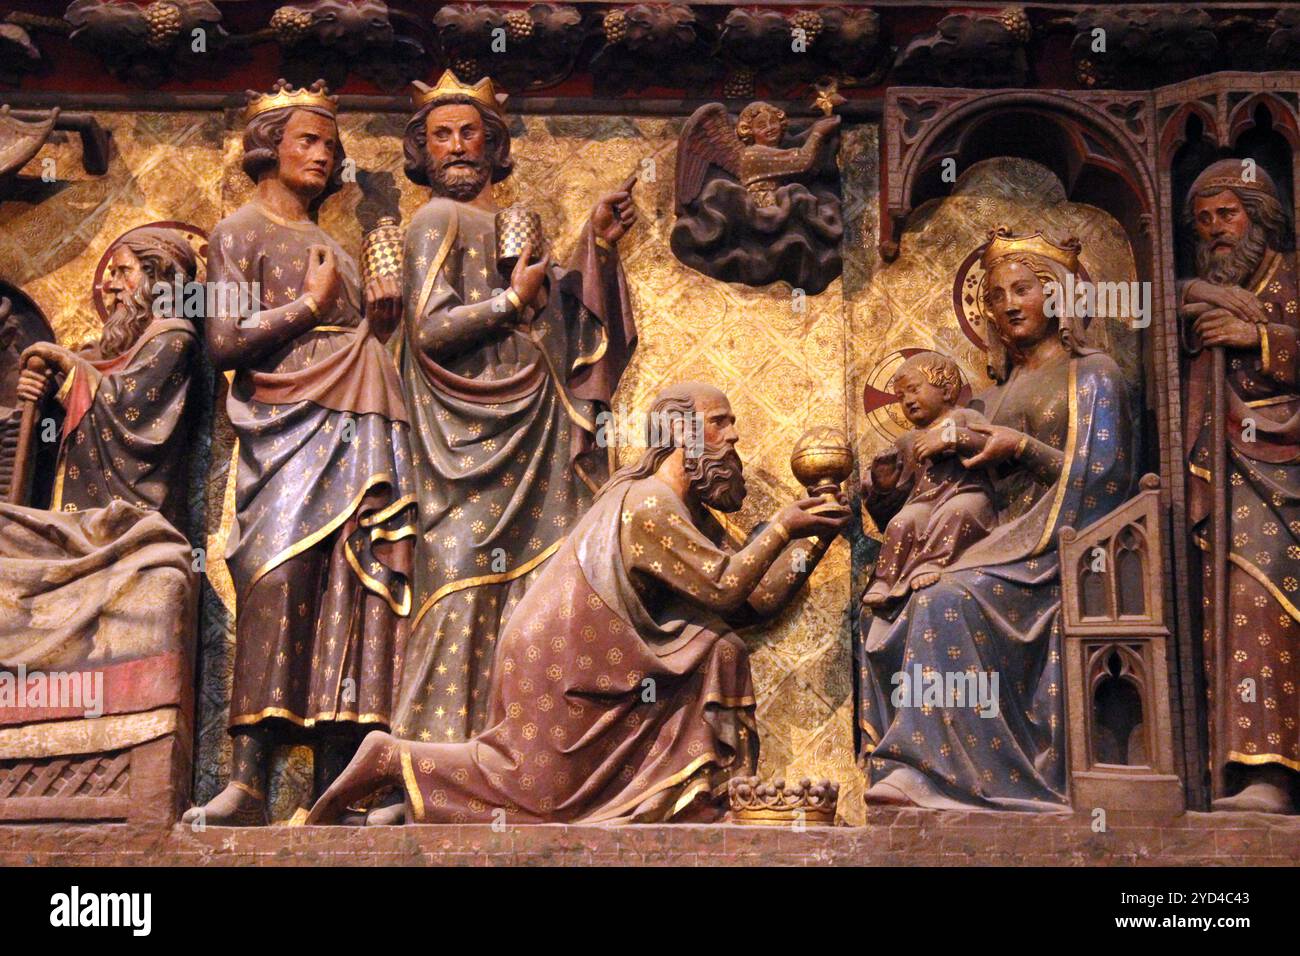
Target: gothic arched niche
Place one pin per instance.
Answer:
(1095, 145)
(1091, 143)
(1257, 130)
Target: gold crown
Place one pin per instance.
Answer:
(756, 803)
(449, 87)
(283, 95)
(1002, 243)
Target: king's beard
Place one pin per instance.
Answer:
(461, 183)
(717, 477)
(1237, 265)
(129, 317)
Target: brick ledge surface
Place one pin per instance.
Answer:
(891, 837)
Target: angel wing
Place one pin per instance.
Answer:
(708, 138)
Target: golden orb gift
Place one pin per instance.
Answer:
(821, 460)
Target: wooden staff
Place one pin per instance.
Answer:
(23, 457)
(1219, 569)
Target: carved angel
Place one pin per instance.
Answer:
(752, 210)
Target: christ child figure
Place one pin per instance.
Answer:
(931, 506)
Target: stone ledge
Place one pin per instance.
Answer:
(891, 837)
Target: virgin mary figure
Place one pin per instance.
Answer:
(962, 701)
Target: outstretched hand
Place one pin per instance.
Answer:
(614, 214)
(883, 475)
(809, 516)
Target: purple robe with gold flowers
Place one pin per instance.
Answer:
(324, 495)
(1264, 523)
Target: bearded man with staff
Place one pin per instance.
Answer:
(1242, 312)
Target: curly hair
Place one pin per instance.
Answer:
(744, 131)
(415, 147)
(939, 370)
(262, 138)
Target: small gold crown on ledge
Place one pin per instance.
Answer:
(283, 95)
(449, 87)
(756, 802)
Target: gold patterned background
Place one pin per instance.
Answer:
(784, 368)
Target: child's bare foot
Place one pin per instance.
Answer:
(924, 580)
(874, 599)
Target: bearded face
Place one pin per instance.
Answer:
(717, 476)
(458, 179)
(1230, 243)
(459, 162)
(128, 296)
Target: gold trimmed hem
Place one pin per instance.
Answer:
(379, 517)
(1063, 482)
(320, 534)
(245, 788)
(596, 355)
(1255, 760)
(412, 788)
(574, 415)
(431, 277)
(671, 781)
(1260, 577)
(1200, 472)
(1275, 400)
(586, 479)
(61, 395)
(872, 732)
(452, 586)
(321, 717)
(694, 790)
(1275, 261)
(405, 531)
(56, 497)
(1263, 347)
(401, 608)
(229, 519)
